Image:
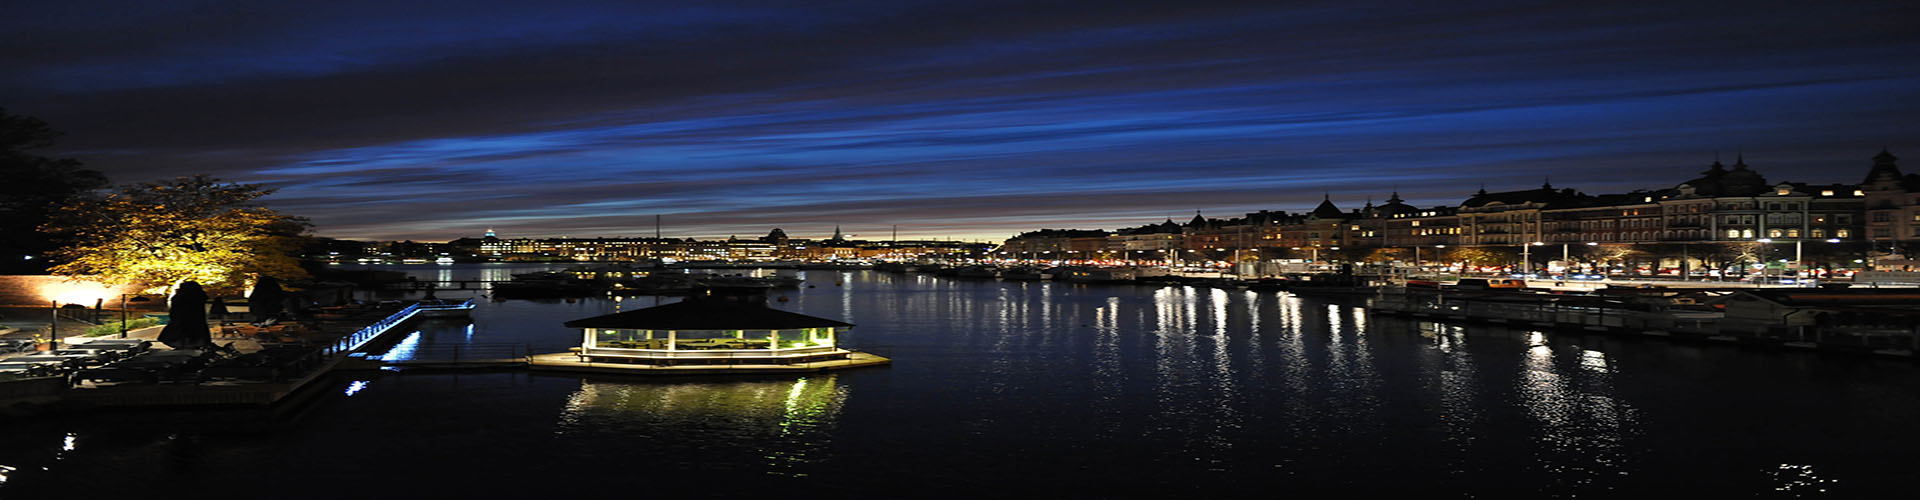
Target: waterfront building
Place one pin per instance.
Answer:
(1892, 205)
(1203, 235)
(1723, 211)
(1148, 242)
(1405, 226)
(1053, 244)
(1512, 218)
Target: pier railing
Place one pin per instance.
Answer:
(360, 338)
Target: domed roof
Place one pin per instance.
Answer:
(717, 308)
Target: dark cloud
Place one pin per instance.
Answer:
(429, 120)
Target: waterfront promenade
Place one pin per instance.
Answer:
(320, 345)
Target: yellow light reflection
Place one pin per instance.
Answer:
(789, 419)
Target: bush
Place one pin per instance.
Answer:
(114, 327)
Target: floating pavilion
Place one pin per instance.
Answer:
(718, 329)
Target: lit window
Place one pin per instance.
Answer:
(1840, 233)
(1826, 192)
(1793, 233)
(1746, 233)
(1819, 233)
(1857, 192)
(1733, 233)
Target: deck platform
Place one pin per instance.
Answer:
(570, 362)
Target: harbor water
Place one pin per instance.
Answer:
(1027, 388)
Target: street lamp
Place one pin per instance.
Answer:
(123, 311)
(1526, 257)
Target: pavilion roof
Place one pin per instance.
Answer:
(706, 313)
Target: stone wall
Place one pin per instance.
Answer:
(34, 290)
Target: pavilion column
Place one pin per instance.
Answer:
(671, 335)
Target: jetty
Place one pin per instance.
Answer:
(279, 371)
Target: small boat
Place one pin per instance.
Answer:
(1100, 274)
(1025, 273)
(1267, 285)
(981, 272)
(542, 289)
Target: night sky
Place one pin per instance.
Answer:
(977, 119)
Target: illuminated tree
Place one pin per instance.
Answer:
(192, 228)
(1388, 255)
(1482, 256)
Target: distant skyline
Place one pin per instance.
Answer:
(968, 120)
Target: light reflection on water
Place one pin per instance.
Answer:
(1102, 391)
(786, 422)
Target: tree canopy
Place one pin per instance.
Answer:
(34, 186)
(191, 228)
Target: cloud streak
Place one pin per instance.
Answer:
(974, 120)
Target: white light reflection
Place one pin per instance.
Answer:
(1333, 323)
(405, 349)
(6, 470)
(1800, 480)
(67, 444)
(1222, 362)
(1226, 417)
(1219, 300)
(1594, 361)
(1582, 426)
(356, 386)
(1460, 413)
(1108, 372)
(1256, 351)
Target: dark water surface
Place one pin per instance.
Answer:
(1005, 388)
